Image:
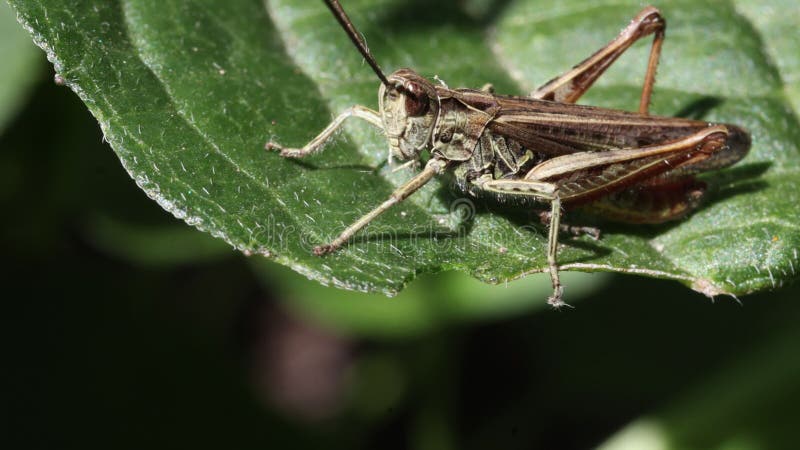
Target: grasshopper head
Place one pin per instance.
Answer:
(409, 106)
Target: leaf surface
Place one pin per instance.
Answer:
(187, 93)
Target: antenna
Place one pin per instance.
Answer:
(351, 31)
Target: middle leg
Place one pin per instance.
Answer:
(543, 192)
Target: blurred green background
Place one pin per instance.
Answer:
(125, 328)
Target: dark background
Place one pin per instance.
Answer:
(125, 328)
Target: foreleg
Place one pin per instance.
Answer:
(318, 142)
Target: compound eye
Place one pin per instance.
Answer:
(416, 101)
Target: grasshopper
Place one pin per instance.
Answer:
(625, 166)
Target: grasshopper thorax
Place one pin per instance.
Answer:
(409, 106)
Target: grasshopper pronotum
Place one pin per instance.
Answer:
(628, 167)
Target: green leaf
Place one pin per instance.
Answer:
(428, 304)
(20, 60)
(153, 245)
(777, 27)
(188, 92)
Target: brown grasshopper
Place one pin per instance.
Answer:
(627, 167)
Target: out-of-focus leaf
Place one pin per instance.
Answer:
(428, 304)
(747, 404)
(20, 59)
(162, 245)
(187, 93)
